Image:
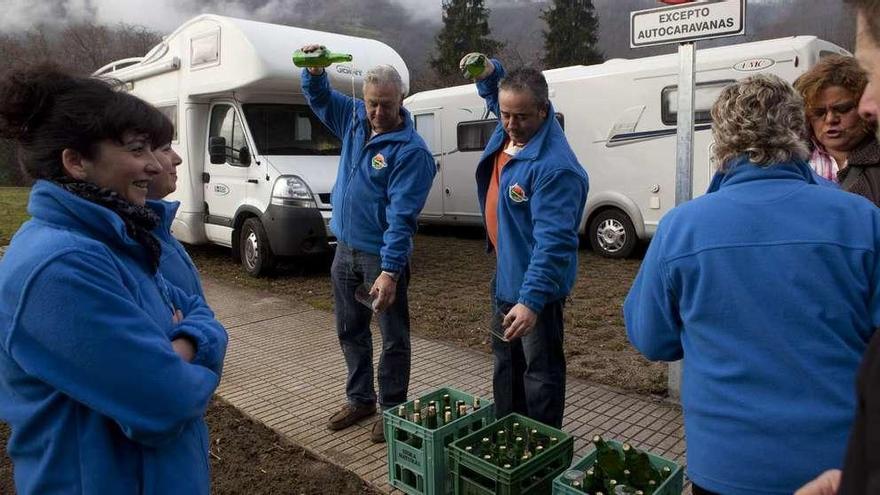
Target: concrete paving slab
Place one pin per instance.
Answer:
(285, 369)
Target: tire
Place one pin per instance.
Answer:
(257, 258)
(612, 234)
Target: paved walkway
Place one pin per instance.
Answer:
(285, 369)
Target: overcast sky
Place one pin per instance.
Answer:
(161, 15)
(165, 15)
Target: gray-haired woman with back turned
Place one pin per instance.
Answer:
(769, 288)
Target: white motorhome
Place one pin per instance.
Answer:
(620, 119)
(258, 165)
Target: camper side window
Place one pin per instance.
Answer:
(225, 123)
(705, 95)
(170, 111)
(473, 135)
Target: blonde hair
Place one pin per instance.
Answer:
(761, 117)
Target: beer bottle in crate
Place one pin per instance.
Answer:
(610, 461)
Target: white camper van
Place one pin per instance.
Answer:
(258, 165)
(620, 119)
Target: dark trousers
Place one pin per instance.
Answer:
(350, 269)
(529, 376)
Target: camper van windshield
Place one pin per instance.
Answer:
(286, 129)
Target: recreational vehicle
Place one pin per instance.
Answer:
(620, 119)
(258, 165)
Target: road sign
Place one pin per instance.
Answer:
(687, 22)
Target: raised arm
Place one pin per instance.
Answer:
(332, 107)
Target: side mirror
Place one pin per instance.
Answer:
(244, 156)
(217, 149)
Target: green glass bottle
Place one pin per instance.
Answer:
(476, 404)
(485, 445)
(503, 456)
(401, 433)
(639, 465)
(516, 429)
(610, 461)
(447, 417)
(447, 401)
(592, 481)
(519, 446)
(322, 57)
(474, 65)
(431, 420)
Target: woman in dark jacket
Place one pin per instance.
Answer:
(844, 148)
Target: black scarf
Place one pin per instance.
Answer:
(139, 220)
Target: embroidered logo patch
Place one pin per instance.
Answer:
(517, 193)
(378, 161)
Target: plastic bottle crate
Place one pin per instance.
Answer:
(475, 476)
(418, 466)
(673, 485)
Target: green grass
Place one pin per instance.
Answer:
(13, 211)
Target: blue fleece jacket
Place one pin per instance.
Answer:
(541, 197)
(382, 182)
(769, 287)
(97, 399)
(176, 265)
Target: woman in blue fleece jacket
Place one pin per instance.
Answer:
(105, 369)
(769, 288)
(176, 265)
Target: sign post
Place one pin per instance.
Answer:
(685, 22)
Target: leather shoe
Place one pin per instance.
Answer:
(349, 415)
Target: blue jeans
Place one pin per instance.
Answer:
(529, 376)
(350, 269)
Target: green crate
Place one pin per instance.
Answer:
(418, 467)
(474, 476)
(673, 485)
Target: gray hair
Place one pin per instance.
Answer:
(527, 80)
(761, 117)
(381, 75)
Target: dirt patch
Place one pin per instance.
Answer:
(449, 300)
(247, 457)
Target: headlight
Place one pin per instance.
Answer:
(292, 191)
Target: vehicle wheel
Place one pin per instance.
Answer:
(612, 234)
(256, 255)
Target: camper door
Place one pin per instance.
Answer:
(225, 188)
(427, 124)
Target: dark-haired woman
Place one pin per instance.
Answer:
(176, 265)
(105, 369)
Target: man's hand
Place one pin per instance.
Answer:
(826, 484)
(518, 322)
(315, 71)
(384, 290)
(177, 317)
(476, 66)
